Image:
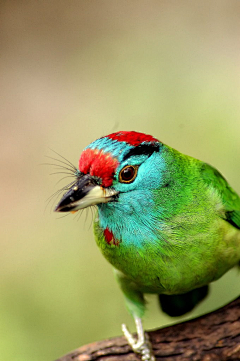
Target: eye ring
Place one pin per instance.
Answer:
(128, 174)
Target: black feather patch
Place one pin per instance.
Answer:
(146, 149)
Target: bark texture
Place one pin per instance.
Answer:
(213, 337)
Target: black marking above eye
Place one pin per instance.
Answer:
(147, 149)
(128, 174)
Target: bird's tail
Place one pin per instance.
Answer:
(178, 305)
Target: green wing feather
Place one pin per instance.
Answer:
(230, 199)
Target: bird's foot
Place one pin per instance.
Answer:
(142, 345)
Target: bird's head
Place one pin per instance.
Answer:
(110, 167)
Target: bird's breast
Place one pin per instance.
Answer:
(177, 261)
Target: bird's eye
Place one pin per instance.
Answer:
(128, 174)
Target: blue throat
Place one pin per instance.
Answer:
(130, 221)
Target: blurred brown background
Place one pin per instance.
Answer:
(74, 71)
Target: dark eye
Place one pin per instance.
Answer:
(128, 174)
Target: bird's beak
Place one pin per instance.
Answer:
(85, 192)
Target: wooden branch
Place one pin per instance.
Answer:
(213, 337)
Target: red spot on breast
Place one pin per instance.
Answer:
(132, 138)
(99, 164)
(109, 237)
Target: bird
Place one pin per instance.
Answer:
(168, 223)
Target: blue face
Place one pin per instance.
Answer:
(139, 173)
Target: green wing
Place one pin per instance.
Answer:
(177, 305)
(230, 199)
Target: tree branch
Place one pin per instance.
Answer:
(215, 336)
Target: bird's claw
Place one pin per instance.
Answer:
(141, 346)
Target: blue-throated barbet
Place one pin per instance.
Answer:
(168, 223)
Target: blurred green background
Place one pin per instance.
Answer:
(70, 73)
